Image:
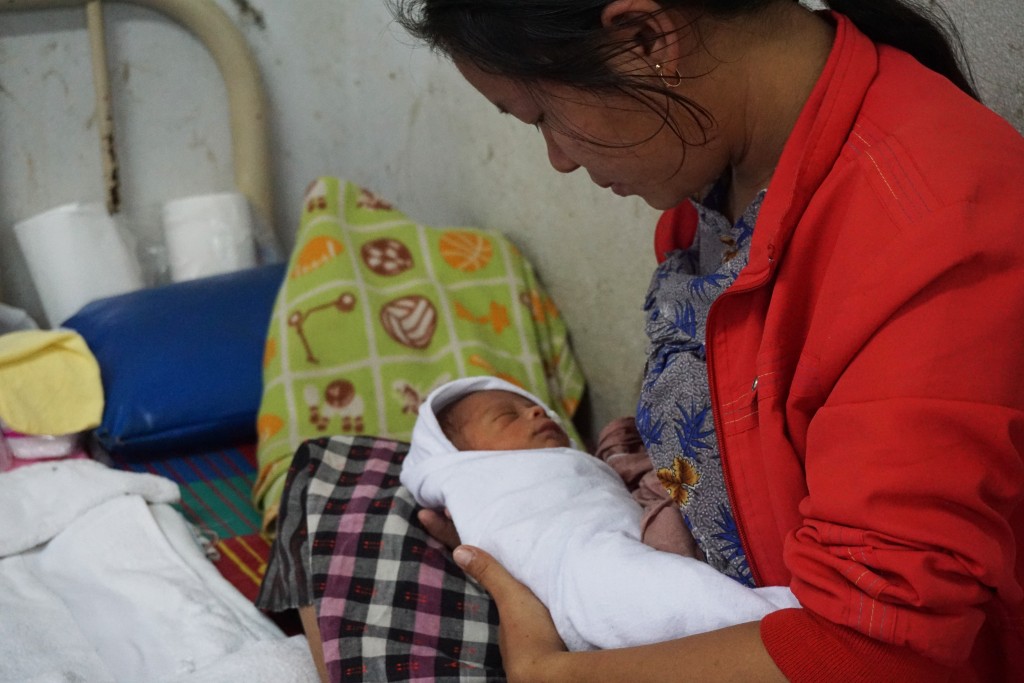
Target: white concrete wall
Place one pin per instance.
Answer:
(350, 95)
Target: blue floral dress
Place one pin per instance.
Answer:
(674, 412)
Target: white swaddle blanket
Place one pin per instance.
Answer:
(562, 522)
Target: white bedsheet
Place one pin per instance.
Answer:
(102, 581)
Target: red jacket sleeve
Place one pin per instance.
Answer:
(841, 654)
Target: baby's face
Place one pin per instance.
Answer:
(501, 421)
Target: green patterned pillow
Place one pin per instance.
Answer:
(376, 311)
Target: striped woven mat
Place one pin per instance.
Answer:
(215, 497)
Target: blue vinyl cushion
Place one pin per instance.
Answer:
(182, 363)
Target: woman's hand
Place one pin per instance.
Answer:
(527, 635)
(440, 527)
(533, 652)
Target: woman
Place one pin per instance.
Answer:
(832, 390)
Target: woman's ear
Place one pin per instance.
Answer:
(646, 26)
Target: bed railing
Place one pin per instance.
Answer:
(246, 99)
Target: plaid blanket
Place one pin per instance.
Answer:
(391, 604)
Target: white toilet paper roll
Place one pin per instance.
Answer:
(75, 255)
(208, 235)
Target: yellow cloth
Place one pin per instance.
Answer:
(49, 382)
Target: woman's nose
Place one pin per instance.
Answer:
(558, 159)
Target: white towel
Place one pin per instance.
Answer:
(270, 661)
(562, 522)
(39, 639)
(146, 611)
(38, 501)
(121, 592)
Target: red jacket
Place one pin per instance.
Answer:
(867, 379)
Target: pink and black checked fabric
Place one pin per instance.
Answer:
(391, 604)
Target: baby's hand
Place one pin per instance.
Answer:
(440, 527)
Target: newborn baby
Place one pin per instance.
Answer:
(562, 522)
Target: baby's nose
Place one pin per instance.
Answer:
(535, 411)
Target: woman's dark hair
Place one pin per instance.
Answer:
(563, 41)
(928, 35)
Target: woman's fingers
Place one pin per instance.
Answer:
(528, 636)
(440, 527)
(516, 603)
(485, 569)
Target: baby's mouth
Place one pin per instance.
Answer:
(549, 428)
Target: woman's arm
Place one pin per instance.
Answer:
(532, 651)
(307, 615)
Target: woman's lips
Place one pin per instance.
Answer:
(617, 188)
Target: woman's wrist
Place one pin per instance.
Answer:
(735, 653)
(564, 667)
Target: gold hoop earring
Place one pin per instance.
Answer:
(660, 70)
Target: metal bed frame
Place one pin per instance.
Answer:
(246, 98)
